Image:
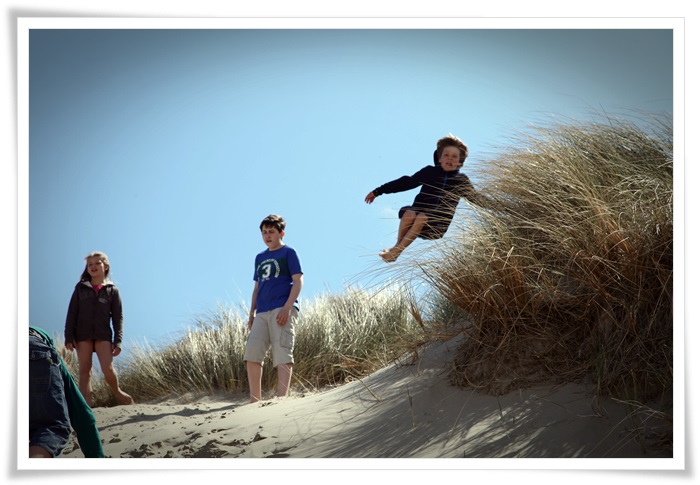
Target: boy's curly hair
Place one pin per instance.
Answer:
(452, 141)
(275, 221)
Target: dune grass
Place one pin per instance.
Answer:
(339, 338)
(567, 270)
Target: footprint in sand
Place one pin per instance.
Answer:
(280, 452)
(210, 450)
(143, 451)
(242, 443)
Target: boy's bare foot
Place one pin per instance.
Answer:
(390, 255)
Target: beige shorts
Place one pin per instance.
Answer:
(266, 334)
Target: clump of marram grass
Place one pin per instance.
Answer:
(567, 271)
(338, 338)
(206, 359)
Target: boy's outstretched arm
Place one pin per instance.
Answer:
(470, 193)
(477, 199)
(407, 182)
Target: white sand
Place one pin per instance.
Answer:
(402, 411)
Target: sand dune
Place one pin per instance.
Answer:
(406, 410)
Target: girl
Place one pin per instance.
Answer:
(94, 303)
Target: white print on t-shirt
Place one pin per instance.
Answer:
(265, 269)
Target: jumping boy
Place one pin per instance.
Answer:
(274, 309)
(442, 186)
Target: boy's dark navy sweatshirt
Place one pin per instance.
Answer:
(438, 197)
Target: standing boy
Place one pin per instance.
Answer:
(274, 308)
(442, 186)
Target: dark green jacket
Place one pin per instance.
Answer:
(82, 419)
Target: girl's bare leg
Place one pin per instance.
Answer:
(284, 379)
(85, 349)
(254, 380)
(104, 354)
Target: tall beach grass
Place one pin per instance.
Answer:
(338, 338)
(567, 270)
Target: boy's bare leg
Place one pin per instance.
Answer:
(254, 380)
(405, 224)
(84, 348)
(417, 223)
(412, 234)
(284, 379)
(103, 348)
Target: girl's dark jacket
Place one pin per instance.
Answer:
(90, 312)
(438, 197)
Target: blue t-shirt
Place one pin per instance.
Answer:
(273, 272)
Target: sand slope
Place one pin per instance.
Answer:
(406, 410)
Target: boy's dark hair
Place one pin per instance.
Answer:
(451, 141)
(273, 221)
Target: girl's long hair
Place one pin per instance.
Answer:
(103, 257)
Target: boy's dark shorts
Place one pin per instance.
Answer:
(49, 424)
(435, 228)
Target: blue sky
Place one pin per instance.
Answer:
(165, 148)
